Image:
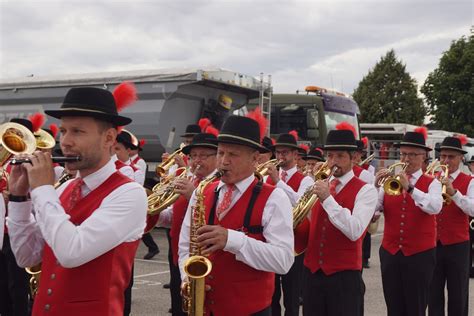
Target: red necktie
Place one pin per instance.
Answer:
(284, 174)
(332, 186)
(225, 203)
(76, 193)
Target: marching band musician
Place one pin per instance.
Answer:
(180, 162)
(87, 232)
(202, 153)
(362, 150)
(266, 156)
(333, 258)
(300, 161)
(13, 279)
(248, 235)
(470, 165)
(121, 156)
(408, 251)
(294, 184)
(359, 171)
(313, 158)
(453, 247)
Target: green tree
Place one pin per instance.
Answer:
(388, 94)
(449, 89)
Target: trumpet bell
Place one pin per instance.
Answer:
(15, 139)
(392, 186)
(44, 140)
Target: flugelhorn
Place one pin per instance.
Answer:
(163, 193)
(44, 140)
(391, 183)
(431, 170)
(165, 165)
(262, 168)
(367, 160)
(15, 139)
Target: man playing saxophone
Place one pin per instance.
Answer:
(408, 251)
(248, 234)
(334, 233)
(453, 247)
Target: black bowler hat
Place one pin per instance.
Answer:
(26, 123)
(471, 160)
(90, 102)
(314, 153)
(452, 143)
(340, 140)
(286, 140)
(191, 130)
(240, 130)
(134, 143)
(417, 138)
(125, 138)
(267, 143)
(201, 140)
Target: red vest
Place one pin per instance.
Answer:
(452, 222)
(294, 182)
(238, 289)
(95, 288)
(120, 164)
(328, 248)
(357, 170)
(179, 211)
(365, 166)
(407, 227)
(134, 161)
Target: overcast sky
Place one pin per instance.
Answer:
(326, 43)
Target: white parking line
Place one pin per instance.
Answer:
(150, 274)
(152, 261)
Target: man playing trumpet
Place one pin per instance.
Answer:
(408, 251)
(453, 247)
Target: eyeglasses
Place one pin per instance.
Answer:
(201, 156)
(411, 155)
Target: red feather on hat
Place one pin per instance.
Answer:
(204, 123)
(125, 94)
(54, 129)
(37, 120)
(273, 141)
(294, 134)
(365, 140)
(346, 126)
(304, 147)
(262, 121)
(212, 130)
(141, 143)
(422, 130)
(462, 138)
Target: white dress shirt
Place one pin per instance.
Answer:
(292, 195)
(2, 219)
(430, 202)
(352, 225)
(367, 177)
(276, 254)
(125, 170)
(140, 163)
(120, 218)
(58, 172)
(464, 202)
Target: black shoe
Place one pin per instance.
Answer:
(170, 310)
(300, 300)
(151, 254)
(166, 286)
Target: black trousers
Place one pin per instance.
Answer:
(14, 283)
(366, 247)
(471, 255)
(149, 242)
(406, 281)
(291, 284)
(127, 306)
(175, 289)
(338, 294)
(452, 269)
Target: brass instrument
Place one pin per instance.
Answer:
(391, 183)
(165, 165)
(197, 266)
(367, 160)
(471, 224)
(163, 193)
(65, 176)
(44, 140)
(431, 170)
(35, 273)
(262, 169)
(308, 199)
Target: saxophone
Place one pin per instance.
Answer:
(197, 267)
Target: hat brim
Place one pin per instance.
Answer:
(187, 149)
(286, 145)
(451, 148)
(398, 145)
(340, 147)
(308, 157)
(188, 135)
(114, 119)
(234, 140)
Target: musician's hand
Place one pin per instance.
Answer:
(18, 181)
(40, 171)
(376, 217)
(321, 189)
(404, 180)
(178, 159)
(449, 186)
(184, 187)
(382, 173)
(211, 238)
(164, 156)
(273, 173)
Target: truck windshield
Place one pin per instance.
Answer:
(333, 118)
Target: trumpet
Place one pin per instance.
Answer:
(367, 160)
(165, 165)
(262, 169)
(391, 183)
(431, 170)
